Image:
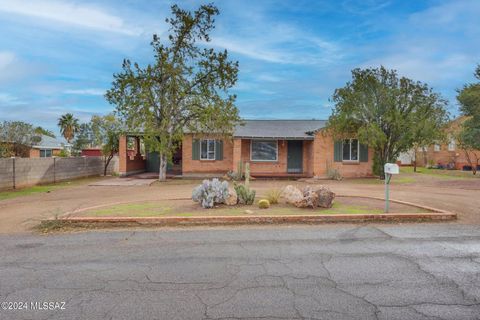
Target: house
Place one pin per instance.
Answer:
(274, 148)
(47, 147)
(43, 147)
(447, 154)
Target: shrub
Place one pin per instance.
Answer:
(334, 174)
(273, 195)
(244, 195)
(210, 193)
(263, 204)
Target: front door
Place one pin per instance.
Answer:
(295, 156)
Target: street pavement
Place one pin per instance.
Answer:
(409, 271)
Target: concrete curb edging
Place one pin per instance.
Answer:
(263, 219)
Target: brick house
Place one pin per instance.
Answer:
(445, 154)
(274, 148)
(45, 147)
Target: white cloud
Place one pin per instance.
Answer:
(67, 12)
(8, 99)
(6, 59)
(88, 91)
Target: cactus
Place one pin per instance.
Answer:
(247, 175)
(239, 170)
(263, 204)
(211, 192)
(244, 195)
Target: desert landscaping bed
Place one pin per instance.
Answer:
(187, 208)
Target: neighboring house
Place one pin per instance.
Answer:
(47, 147)
(44, 147)
(274, 148)
(447, 154)
(91, 152)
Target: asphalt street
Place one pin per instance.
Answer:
(409, 271)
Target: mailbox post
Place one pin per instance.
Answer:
(390, 169)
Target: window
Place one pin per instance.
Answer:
(45, 153)
(264, 150)
(350, 150)
(436, 147)
(207, 149)
(451, 145)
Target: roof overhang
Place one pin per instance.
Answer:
(273, 138)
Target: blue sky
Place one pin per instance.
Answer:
(59, 56)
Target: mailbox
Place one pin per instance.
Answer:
(392, 168)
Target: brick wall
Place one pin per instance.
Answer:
(32, 171)
(128, 163)
(323, 149)
(206, 166)
(279, 166)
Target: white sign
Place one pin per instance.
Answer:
(392, 168)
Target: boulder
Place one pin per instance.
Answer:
(310, 198)
(292, 194)
(232, 198)
(249, 212)
(325, 197)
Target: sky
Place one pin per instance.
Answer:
(59, 56)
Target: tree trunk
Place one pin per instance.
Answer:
(162, 172)
(106, 164)
(415, 161)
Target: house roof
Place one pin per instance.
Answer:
(279, 129)
(49, 143)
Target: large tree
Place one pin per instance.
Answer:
(386, 112)
(106, 133)
(185, 88)
(69, 126)
(83, 138)
(469, 136)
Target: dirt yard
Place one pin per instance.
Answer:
(20, 214)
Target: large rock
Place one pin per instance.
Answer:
(310, 198)
(232, 198)
(325, 197)
(292, 194)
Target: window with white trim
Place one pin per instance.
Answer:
(207, 149)
(264, 150)
(452, 144)
(436, 147)
(45, 153)
(350, 150)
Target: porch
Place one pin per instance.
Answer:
(275, 158)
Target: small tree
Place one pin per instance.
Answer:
(39, 130)
(384, 112)
(186, 88)
(69, 126)
(469, 136)
(83, 138)
(106, 133)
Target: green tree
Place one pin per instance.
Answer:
(469, 136)
(83, 138)
(106, 133)
(42, 131)
(69, 126)
(186, 88)
(16, 137)
(387, 113)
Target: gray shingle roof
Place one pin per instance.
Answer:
(279, 129)
(50, 143)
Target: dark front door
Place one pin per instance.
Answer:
(295, 156)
